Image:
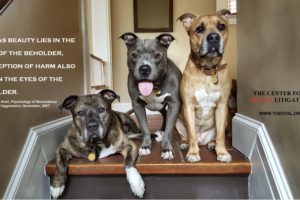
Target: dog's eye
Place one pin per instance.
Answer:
(221, 27)
(100, 110)
(156, 56)
(80, 113)
(134, 55)
(200, 29)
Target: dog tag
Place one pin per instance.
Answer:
(214, 79)
(92, 157)
(157, 92)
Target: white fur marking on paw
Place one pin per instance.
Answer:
(168, 155)
(56, 191)
(135, 181)
(224, 157)
(144, 152)
(192, 158)
(159, 136)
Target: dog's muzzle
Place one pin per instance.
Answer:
(212, 46)
(145, 70)
(92, 128)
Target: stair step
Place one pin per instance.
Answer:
(165, 179)
(153, 164)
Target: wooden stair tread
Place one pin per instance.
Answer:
(154, 164)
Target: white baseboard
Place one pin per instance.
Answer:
(267, 179)
(29, 180)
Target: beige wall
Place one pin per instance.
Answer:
(37, 18)
(122, 21)
(268, 60)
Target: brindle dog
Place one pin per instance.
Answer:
(96, 130)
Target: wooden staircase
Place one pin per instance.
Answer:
(176, 179)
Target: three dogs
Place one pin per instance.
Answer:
(156, 83)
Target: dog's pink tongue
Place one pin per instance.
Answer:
(145, 88)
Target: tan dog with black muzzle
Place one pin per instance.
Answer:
(205, 86)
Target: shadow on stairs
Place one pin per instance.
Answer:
(167, 179)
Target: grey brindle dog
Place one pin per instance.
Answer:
(153, 83)
(98, 130)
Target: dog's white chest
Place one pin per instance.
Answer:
(207, 102)
(153, 102)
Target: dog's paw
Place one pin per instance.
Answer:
(158, 136)
(144, 151)
(167, 155)
(135, 181)
(193, 157)
(183, 146)
(224, 157)
(56, 191)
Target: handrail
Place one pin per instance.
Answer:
(97, 58)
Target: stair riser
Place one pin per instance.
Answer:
(167, 187)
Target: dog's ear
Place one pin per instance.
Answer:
(109, 95)
(165, 39)
(224, 13)
(187, 19)
(69, 102)
(129, 38)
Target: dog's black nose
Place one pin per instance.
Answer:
(92, 126)
(145, 70)
(213, 38)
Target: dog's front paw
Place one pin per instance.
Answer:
(56, 191)
(193, 157)
(145, 147)
(224, 157)
(167, 155)
(144, 151)
(135, 181)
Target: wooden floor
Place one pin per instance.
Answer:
(153, 164)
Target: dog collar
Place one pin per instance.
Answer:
(213, 72)
(210, 71)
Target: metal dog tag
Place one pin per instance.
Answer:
(214, 79)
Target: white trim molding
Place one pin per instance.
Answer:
(267, 179)
(29, 180)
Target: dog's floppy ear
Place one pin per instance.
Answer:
(165, 39)
(109, 95)
(129, 38)
(187, 19)
(69, 102)
(224, 13)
